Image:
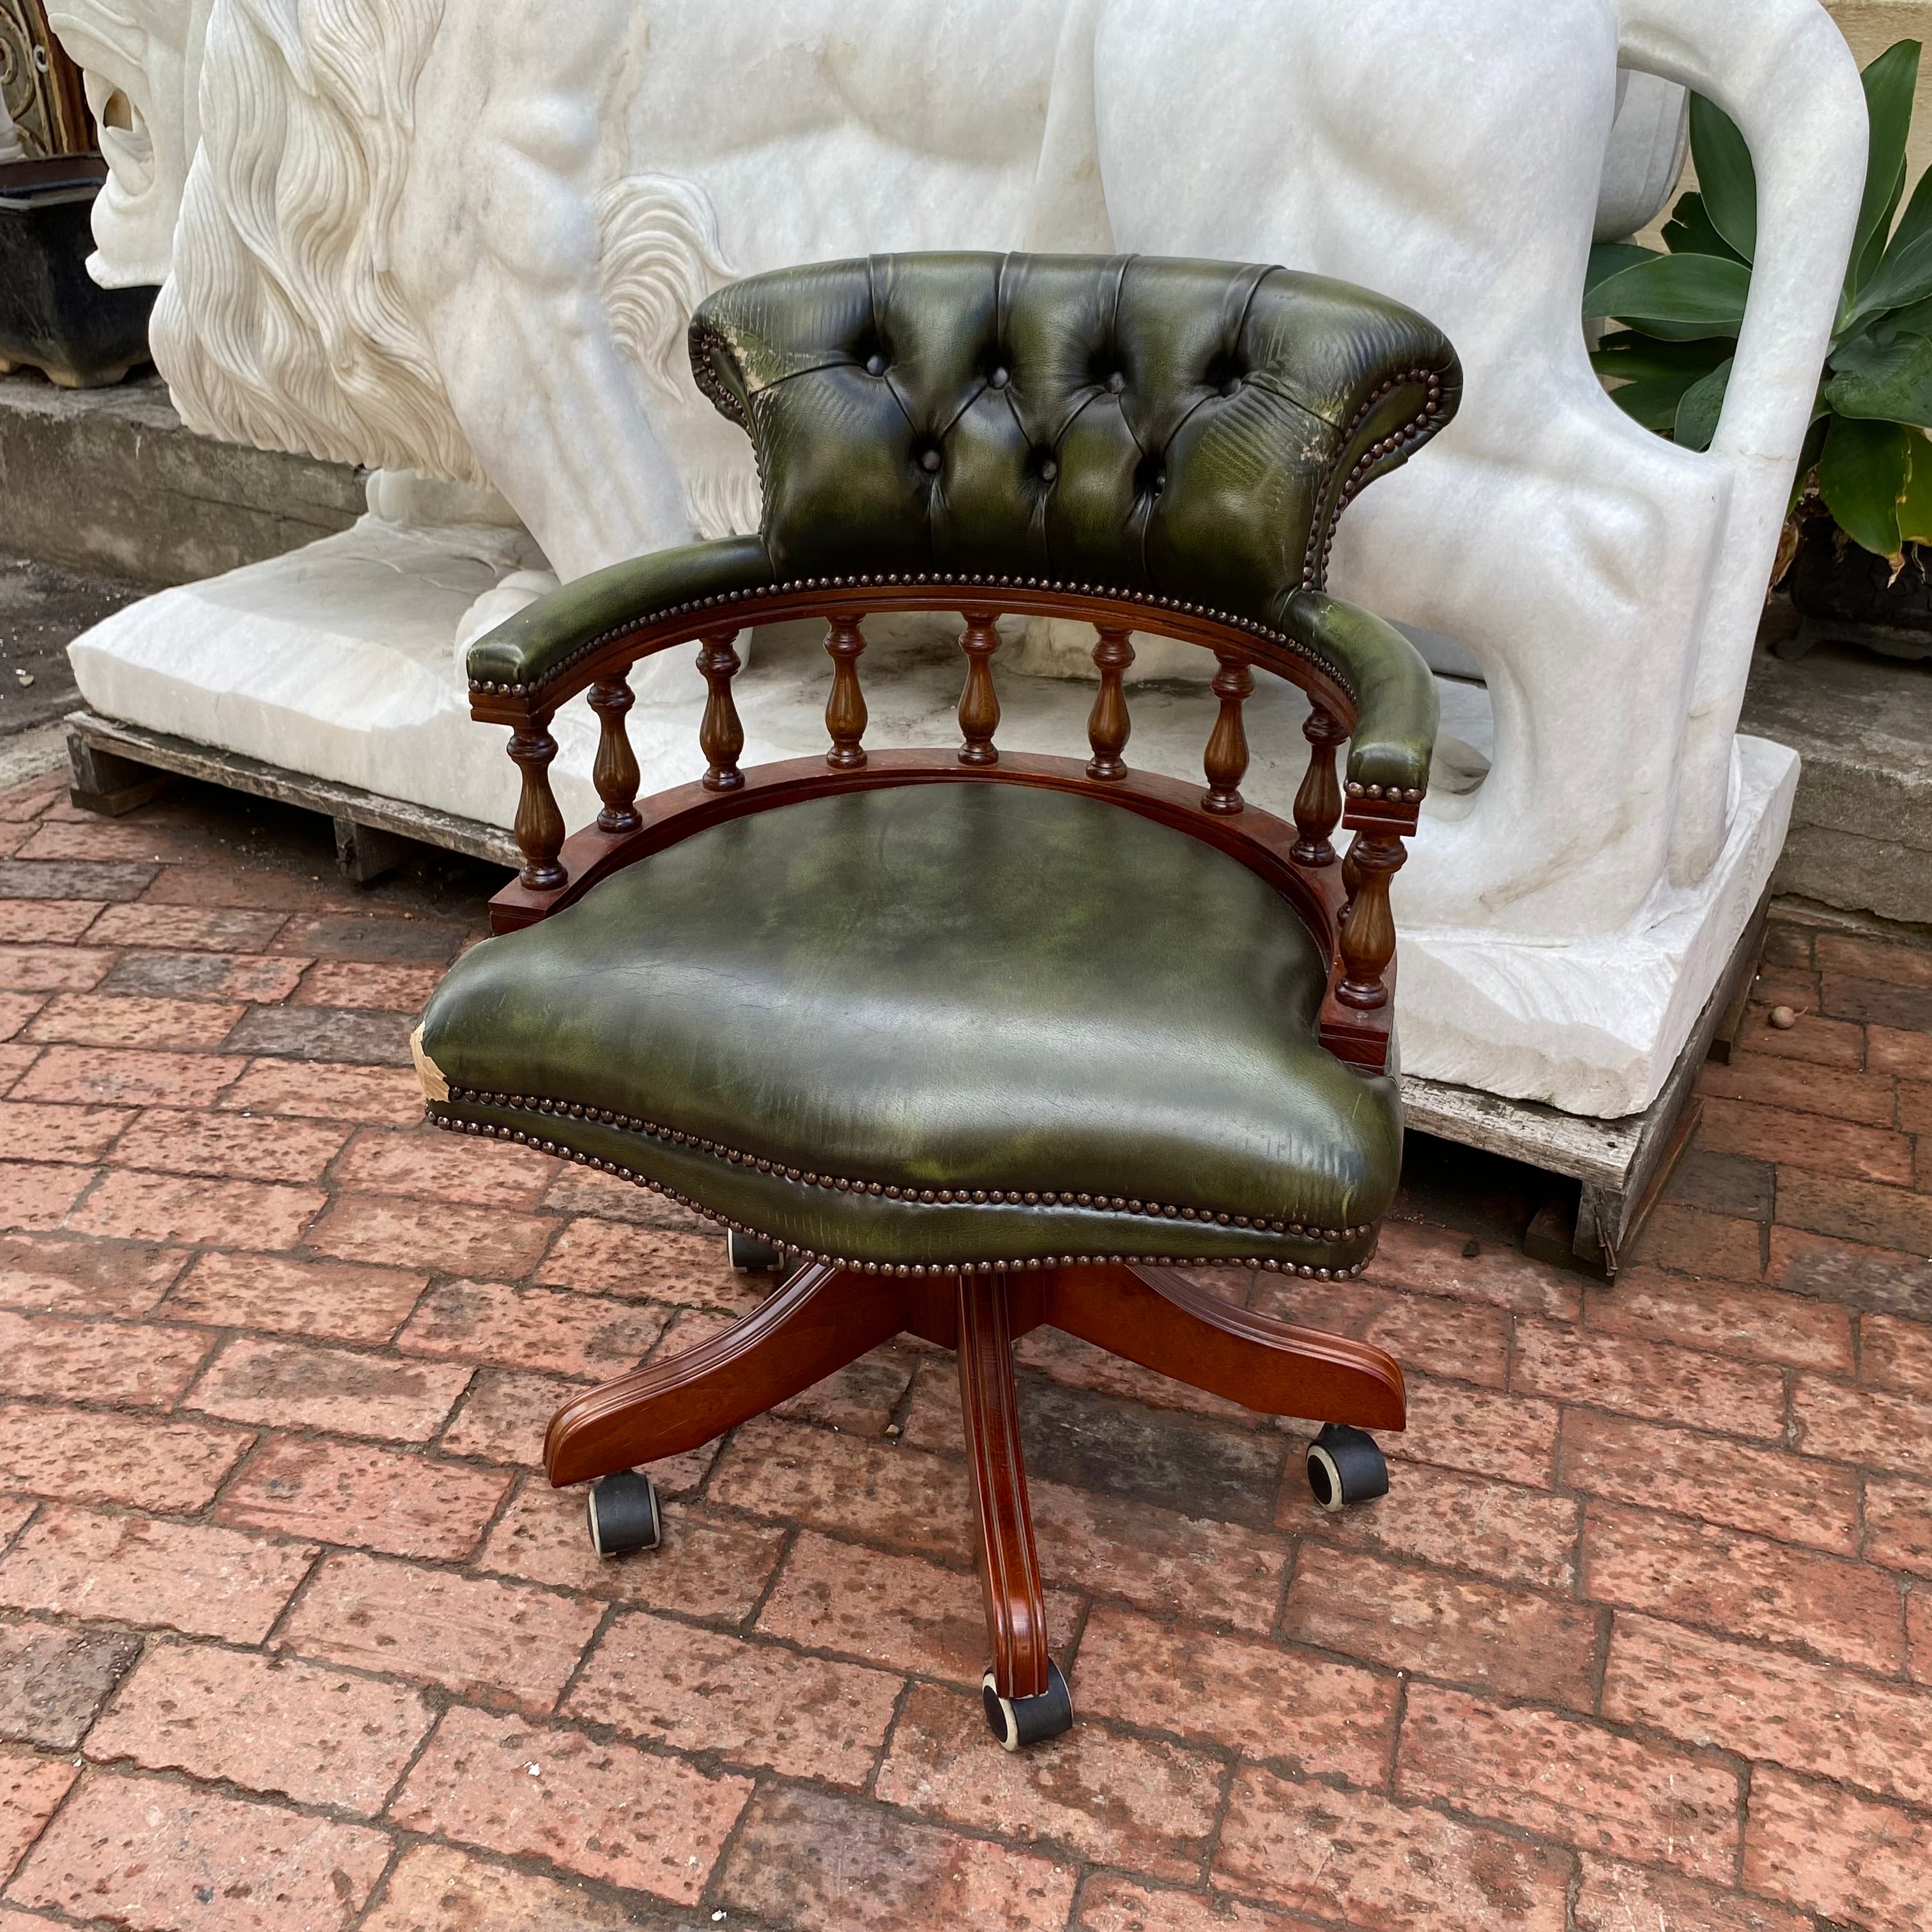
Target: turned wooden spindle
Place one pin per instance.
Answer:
(720, 736)
(1368, 935)
(979, 702)
(1318, 805)
(615, 773)
(1108, 724)
(1226, 759)
(845, 709)
(539, 827)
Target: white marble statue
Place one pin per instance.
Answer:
(461, 238)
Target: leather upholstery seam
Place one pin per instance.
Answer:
(1267, 1263)
(976, 1197)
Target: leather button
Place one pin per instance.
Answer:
(875, 365)
(1232, 386)
(1046, 468)
(929, 461)
(1116, 383)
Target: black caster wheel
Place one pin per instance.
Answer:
(1345, 1466)
(623, 1513)
(1016, 1721)
(750, 1255)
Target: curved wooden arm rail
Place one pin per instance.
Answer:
(1298, 859)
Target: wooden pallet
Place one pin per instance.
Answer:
(117, 766)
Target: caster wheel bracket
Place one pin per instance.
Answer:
(1345, 1466)
(622, 1514)
(1018, 1721)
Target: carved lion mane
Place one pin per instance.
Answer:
(283, 322)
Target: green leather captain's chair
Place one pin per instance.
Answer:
(977, 1041)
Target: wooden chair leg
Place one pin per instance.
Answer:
(1158, 1317)
(822, 1318)
(1009, 1564)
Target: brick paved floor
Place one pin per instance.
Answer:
(292, 1638)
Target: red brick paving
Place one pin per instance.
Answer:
(292, 1638)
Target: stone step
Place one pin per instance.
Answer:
(108, 480)
(1860, 836)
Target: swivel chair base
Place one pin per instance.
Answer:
(823, 1316)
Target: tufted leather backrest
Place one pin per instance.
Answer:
(1192, 429)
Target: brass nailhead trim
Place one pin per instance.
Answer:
(1415, 431)
(1358, 789)
(1270, 1264)
(916, 580)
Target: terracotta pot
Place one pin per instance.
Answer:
(51, 314)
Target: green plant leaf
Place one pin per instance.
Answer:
(1869, 354)
(1690, 231)
(1813, 448)
(1726, 182)
(1654, 403)
(1634, 358)
(1885, 382)
(1703, 295)
(1917, 219)
(1865, 265)
(1914, 507)
(1608, 259)
(1698, 409)
(1685, 332)
(1862, 475)
(1914, 319)
(1890, 82)
(1903, 277)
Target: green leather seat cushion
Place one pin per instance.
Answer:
(813, 1020)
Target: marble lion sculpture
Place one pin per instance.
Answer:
(463, 237)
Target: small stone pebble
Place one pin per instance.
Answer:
(1782, 1017)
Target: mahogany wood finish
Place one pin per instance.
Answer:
(845, 718)
(1368, 935)
(1318, 805)
(720, 736)
(822, 599)
(1226, 761)
(979, 702)
(1165, 1321)
(539, 824)
(824, 1316)
(1299, 861)
(615, 773)
(1010, 1576)
(1258, 839)
(1108, 724)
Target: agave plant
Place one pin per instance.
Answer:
(1867, 453)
